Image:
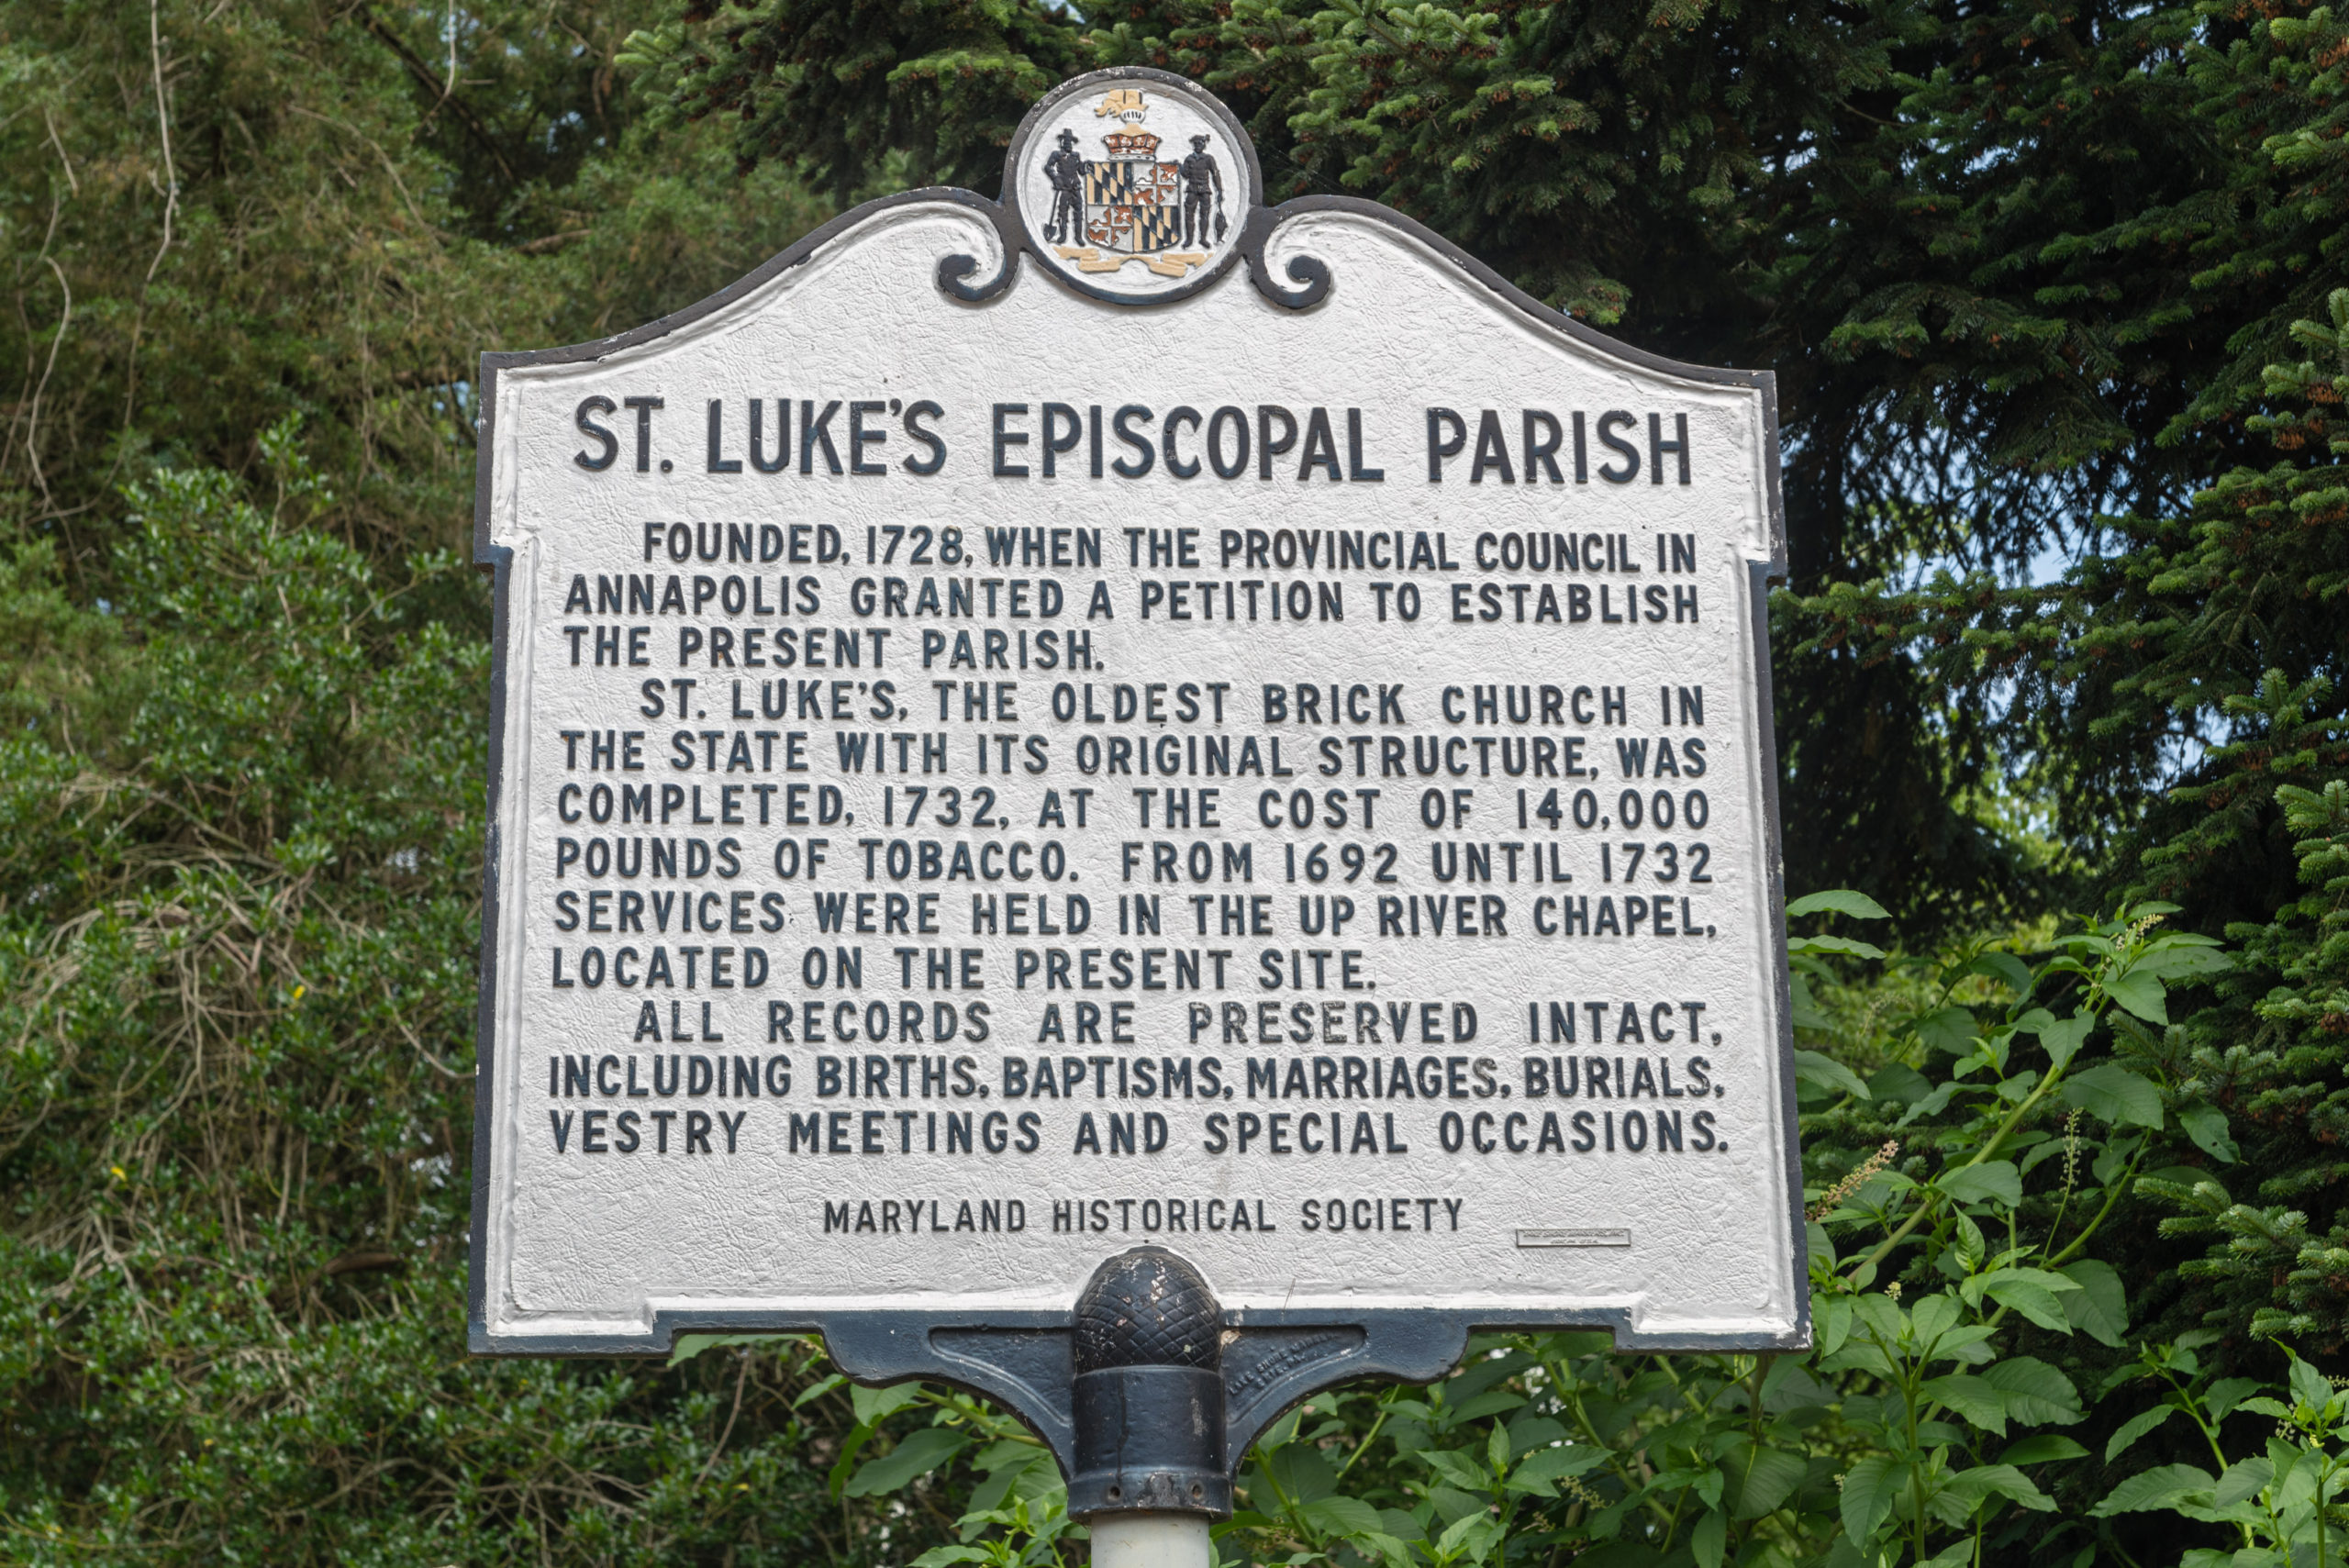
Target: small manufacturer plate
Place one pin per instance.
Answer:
(1607, 1235)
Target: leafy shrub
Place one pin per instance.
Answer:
(240, 827)
(1968, 1336)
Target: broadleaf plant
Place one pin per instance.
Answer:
(1938, 1417)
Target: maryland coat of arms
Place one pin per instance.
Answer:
(1130, 204)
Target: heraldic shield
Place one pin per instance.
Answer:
(1130, 204)
(1131, 207)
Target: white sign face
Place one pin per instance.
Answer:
(987, 776)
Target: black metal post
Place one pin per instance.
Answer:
(1149, 1403)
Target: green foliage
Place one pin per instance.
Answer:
(830, 88)
(1966, 1338)
(213, 215)
(237, 913)
(2271, 1054)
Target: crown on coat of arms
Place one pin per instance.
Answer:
(1130, 144)
(1126, 105)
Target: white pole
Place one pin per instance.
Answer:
(1149, 1541)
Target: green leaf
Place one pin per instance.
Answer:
(1870, 1488)
(1831, 1318)
(2206, 1125)
(1951, 1030)
(1934, 1314)
(2136, 1426)
(1451, 1464)
(1303, 1476)
(916, 1456)
(1530, 1432)
(1401, 1524)
(1977, 1400)
(2221, 1397)
(1993, 1181)
(2037, 1394)
(2183, 955)
(1972, 1246)
(2100, 1308)
(991, 1493)
(1932, 1104)
(940, 1556)
(1451, 1503)
(2045, 1448)
(1473, 1534)
(2243, 1479)
(1848, 945)
(1898, 1081)
(2062, 1037)
(818, 1389)
(2005, 967)
(1390, 1550)
(1802, 1009)
(2288, 1458)
(1706, 1541)
(2165, 1486)
(1760, 1478)
(2140, 990)
(1545, 1466)
(1839, 901)
(1340, 1516)
(1959, 1345)
(2115, 1095)
(836, 1480)
(874, 1404)
(688, 1346)
(2309, 1385)
(1882, 1316)
(1492, 1401)
(2003, 1481)
(1007, 1453)
(1816, 1067)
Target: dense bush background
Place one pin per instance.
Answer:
(2056, 297)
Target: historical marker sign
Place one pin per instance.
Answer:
(1128, 715)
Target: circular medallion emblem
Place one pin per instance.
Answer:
(1132, 186)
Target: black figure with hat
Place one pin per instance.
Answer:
(1065, 170)
(1201, 179)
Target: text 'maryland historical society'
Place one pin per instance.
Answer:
(1128, 715)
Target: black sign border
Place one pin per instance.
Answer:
(1010, 1356)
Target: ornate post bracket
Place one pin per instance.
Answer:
(1113, 1389)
